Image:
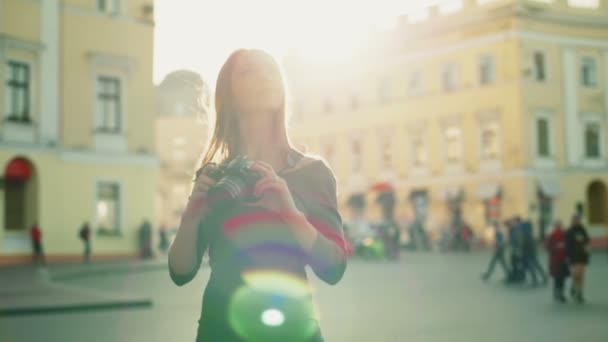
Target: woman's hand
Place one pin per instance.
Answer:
(275, 196)
(272, 189)
(198, 200)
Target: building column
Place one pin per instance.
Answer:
(49, 73)
(570, 86)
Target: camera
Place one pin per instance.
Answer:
(235, 182)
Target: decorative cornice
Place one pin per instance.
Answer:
(7, 41)
(128, 64)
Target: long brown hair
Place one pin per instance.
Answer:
(225, 140)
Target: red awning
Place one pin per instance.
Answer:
(382, 186)
(18, 169)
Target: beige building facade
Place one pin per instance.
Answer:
(486, 108)
(77, 125)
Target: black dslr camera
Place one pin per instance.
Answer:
(235, 182)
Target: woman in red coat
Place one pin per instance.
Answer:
(558, 264)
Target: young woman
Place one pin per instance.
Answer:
(258, 250)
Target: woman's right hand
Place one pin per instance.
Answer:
(198, 200)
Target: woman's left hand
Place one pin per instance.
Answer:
(272, 189)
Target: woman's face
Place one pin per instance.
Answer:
(256, 83)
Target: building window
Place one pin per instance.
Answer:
(108, 6)
(357, 157)
(592, 140)
(542, 137)
(453, 140)
(386, 151)
(327, 106)
(108, 104)
(354, 101)
(449, 77)
(487, 69)
(490, 143)
(18, 91)
(419, 153)
(584, 3)
(415, 85)
(540, 72)
(384, 89)
(108, 207)
(588, 72)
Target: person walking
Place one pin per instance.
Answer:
(517, 269)
(85, 237)
(36, 238)
(558, 263)
(499, 253)
(530, 255)
(577, 242)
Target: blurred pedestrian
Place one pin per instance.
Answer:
(499, 253)
(577, 242)
(466, 237)
(517, 269)
(85, 237)
(388, 227)
(36, 238)
(163, 244)
(418, 235)
(530, 254)
(558, 263)
(145, 239)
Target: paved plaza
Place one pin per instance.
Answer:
(423, 297)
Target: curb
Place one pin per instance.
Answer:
(109, 270)
(109, 305)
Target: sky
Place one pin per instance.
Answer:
(200, 34)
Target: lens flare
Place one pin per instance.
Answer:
(275, 281)
(273, 306)
(273, 317)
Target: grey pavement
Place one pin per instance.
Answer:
(423, 297)
(28, 289)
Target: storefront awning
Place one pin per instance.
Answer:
(18, 169)
(549, 188)
(381, 187)
(488, 191)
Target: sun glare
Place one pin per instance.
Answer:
(199, 35)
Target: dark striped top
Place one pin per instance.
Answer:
(251, 250)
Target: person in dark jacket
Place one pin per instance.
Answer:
(558, 263)
(517, 274)
(85, 236)
(163, 239)
(530, 255)
(577, 242)
(145, 240)
(499, 253)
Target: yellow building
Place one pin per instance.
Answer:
(77, 124)
(493, 108)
